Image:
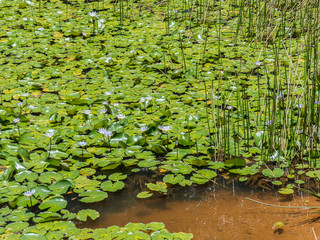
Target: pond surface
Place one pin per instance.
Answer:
(210, 213)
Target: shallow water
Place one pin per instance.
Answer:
(211, 213)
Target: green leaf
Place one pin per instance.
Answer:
(259, 138)
(42, 191)
(206, 173)
(145, 194)
(57, 154)
(173, 179)
(159, 149)
(154, 226)
(235, 162)
(148, 163)
(60, 187)
(47, 217)
(275, 173)
(17, 226)
(24, 201)
(277, 183)
(26, 175)
(54, 203)
(286, 191)
(32, 236)
(117, 176)
(112, 187)
(158, 186)
(48, 177)
(24, 154)
(93, 196)
(84, 214)
(313, 174)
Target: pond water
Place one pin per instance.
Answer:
(211, 213)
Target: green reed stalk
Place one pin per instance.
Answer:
(183, 56)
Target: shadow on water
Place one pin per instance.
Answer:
(211, 212)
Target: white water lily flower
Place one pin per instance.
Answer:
(121, 116)
(20, 104)
(107, 93)
(105, 132)
(49, 134)
(16, 120)
(93, 14)
(59, 12)
(82, 143)
(143, 129)
(88, 112)
(142, 100)
(102, 131)
(258, 63)
(108, 59)
(165, 128)
(29, 193)
(149, 98)
(116, 104)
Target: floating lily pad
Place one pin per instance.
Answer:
(112, 187)
(93, 196)
(145, 194)
(26, 175)
(117, 176)
(16, 226)
(275, 173)
(286, 191)
(84, 214)
(173, 179)
(54, 203)
(158, 186)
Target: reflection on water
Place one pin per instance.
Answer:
(211, 213)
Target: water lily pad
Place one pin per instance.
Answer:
(158, 187)
(286, 191)
(47, 217)
(235, 162)
(145, 194)
(60, 187)
(117, 176)
(16, 226)
(25, 201)
(32, 236)
(26, 175)
(154, 226)
(173, 179)
(84, 214)
(93, 196)
(112, 187)
(275, 173)
(54, 203)
(48, 177)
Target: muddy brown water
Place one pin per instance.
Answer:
(213, 214)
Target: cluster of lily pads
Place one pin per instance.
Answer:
(94, 92)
